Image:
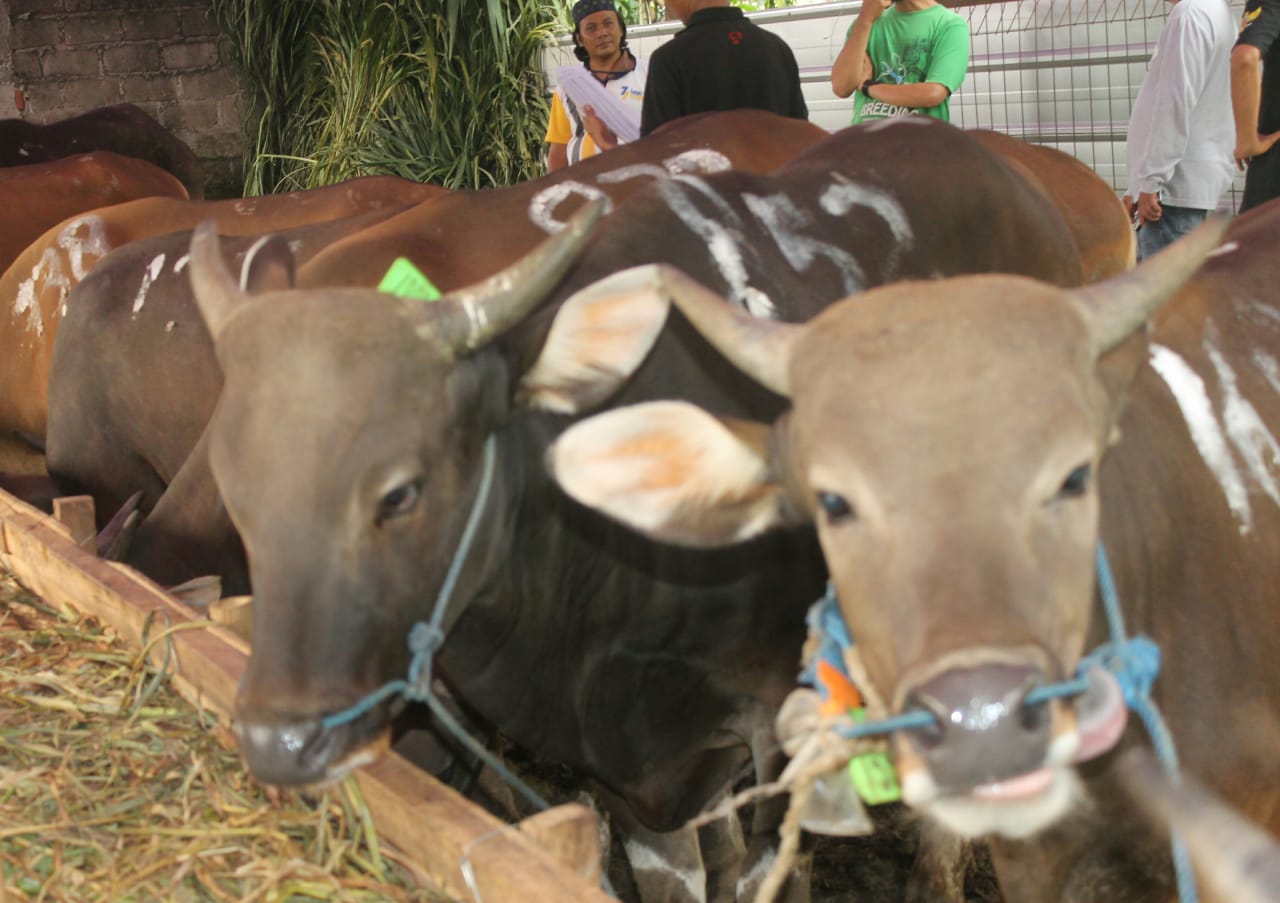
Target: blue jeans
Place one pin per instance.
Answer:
(1174, 222)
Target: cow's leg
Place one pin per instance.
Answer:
(666, 866)
(723, 852)
(766, 820)
(189, 534)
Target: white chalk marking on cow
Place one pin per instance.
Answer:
(152, 273)
(1248, 433)
(245, 207)
(634, 171)
(843, 195)
(1193, 400)
(697, 160)
(786, 224)
(644, 858)
(93, 242)
(543, 205)
(1269, 367)
(1228, 247)
(750, 882)
(181, 263)
(714, 233)
(759, 304)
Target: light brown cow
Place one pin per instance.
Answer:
(39, 281)
(37, 197)
(947, 438)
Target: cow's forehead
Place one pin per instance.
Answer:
(917, 367)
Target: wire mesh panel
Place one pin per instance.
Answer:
(1063, 73)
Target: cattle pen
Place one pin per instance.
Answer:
(451, 847)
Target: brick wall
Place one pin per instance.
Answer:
(67, 56)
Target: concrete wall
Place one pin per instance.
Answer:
(62, 57)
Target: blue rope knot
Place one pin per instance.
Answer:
(425, 640)
(1135, 664)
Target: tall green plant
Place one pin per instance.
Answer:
(418, 88)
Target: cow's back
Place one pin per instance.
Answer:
(464, 238)
(37, 197)
(121, 128)
(1103, 234)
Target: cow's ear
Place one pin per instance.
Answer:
(268, 266)
(600, 336)
(673, 472)
(215, 289)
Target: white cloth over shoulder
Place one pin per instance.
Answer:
(581, 87)
(1181, 131)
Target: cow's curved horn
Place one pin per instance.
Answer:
(469, 318)
(1122, 304)
(759, 348)
(216, 291)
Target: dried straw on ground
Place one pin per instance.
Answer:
(112, 788)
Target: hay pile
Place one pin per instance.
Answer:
(112, 788)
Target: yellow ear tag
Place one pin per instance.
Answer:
(407, 281)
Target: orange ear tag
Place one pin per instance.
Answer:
(841, 695)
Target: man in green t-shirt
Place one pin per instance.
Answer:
(902, 57)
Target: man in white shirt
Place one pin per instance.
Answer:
(1181, 131)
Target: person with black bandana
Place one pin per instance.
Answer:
(575, 130)
(720, 61)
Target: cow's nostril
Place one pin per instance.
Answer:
(934, 733)
(1034, 717)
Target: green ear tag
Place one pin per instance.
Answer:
(407, 281)
(872, 774)
(875, 778)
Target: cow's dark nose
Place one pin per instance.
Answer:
(288, 754)
(985, 730)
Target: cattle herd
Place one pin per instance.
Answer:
(670, 394)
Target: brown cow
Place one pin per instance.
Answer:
(948, 440)
(41, 278)
(1104, 236)
(121, 128)
(37, 197)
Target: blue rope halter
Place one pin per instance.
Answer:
(1133, 661)
(425, 640)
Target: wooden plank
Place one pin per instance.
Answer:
(443, 835)
(76, 514)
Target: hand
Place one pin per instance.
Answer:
(872, 9)
(1130, 208)
(1149, 209)
(601, 134)
(1249, 147)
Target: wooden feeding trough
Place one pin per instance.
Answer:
(455, 845)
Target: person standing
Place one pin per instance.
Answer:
(575, 130)
(720, 61)
(902, 57)
(1255, 101)
(1181, 133)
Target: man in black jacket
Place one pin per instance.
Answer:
(720, 61)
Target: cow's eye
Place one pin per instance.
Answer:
(400, 500)
(1076, 483)
(835, 506)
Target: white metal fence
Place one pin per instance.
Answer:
(1057, 72)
